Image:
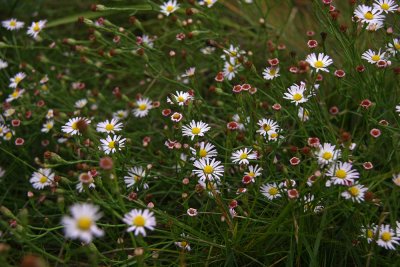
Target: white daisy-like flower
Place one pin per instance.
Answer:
(143, 106)
(230, 70)
(270, 191)
(369, 15)
(14, 81)
(184, 245)
(372, 56)
(75, 126)
(50, 114)
(120, 114)
(327, 153)
(140, 220)
(242, 156)
(254, 171)
(42, 178)
(169, 7)
(82, 224)
(233, 53)
(387, 6)
(355, 192)
(135, 177)
(342, 173)
(36, 28)
(396, 179)
(398, 109)
(210, 186)
(303, 114)
(296, 94)
(85, 180)
(15, 95)
(81, 103)
(208, 169)
(189, 72)
(207, 3)
(273, 136)
(47, 126)
(239, 121)
(208, 50)
(3, 129)
(180, 98)
(270, 73)
(267, 125)
(387, 237)
(3, 64)
(320, 62)
(369, 232)
(195, 129)
(147, 41)
(112, 144)
(109, 126)
(12, 24)
(203, 150)
(394, 46)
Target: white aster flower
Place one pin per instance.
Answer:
(327, 153)
(42, 178)
(270, 191)
(254, 171)
(120, 114)
(36, 28)
(12, 24)
(169, 7)
(369, 15)
(140, 220)
(82, 224)
(242, 156)
(143, 106)
(387, 237)
(15, 95)
(112, 144)
(296, 94)
(81, 103)
(3, 64)
(85, 180)
(109, 126)
(181, 98)
(203, 150)
(14, 81)
(303, 114)
(75, 126)
(270, 73)
(47, 126)
(208, 169)
(355, 192)
(386, 6)
(319, 62)
(342, 173)
(207, 3)
(267, 125)
(136, 177)
(372, 56)
(195, 129)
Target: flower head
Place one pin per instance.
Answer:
(75, 126)
(12, 24)
(140, 220)
(270, 191)
(387, 237)
(169, 7)
(342, 173)
(327, 154)
(355, 192)
(42, 178)
(82, 224)
(135, 177)
(296, 94)
(143, 105)
(195, 129)
(208, 169)
(242, 156)
(109, 126)
(319, 62)
(112, 144)
(36, 28)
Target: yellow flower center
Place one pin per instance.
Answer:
(272, 72)
(341, 174)
(84, 223)
(319, 64)
(139, 221)
(385, 6)
(109, 127)
(252, 174)
(375, 57)
(386, 236)
(202, 153)
(43, 179)
(368, 16)
(273, 191)
(266, 127)
(74, 126)
(13, 23)
(370, 234)
(49, 126)
(243, 156)
(274, 135)
(142, 107)
(230, 68)
(397, 46)
(327, 155)
(297, 97)
(208, 169)
(17, 79)
(170, 8)
(8, 136)
(354, 191)
(111, 144)
(195, 130)
(181, 98)
(36, 28)
(136, 178)
(184, 243)
(15, 94)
